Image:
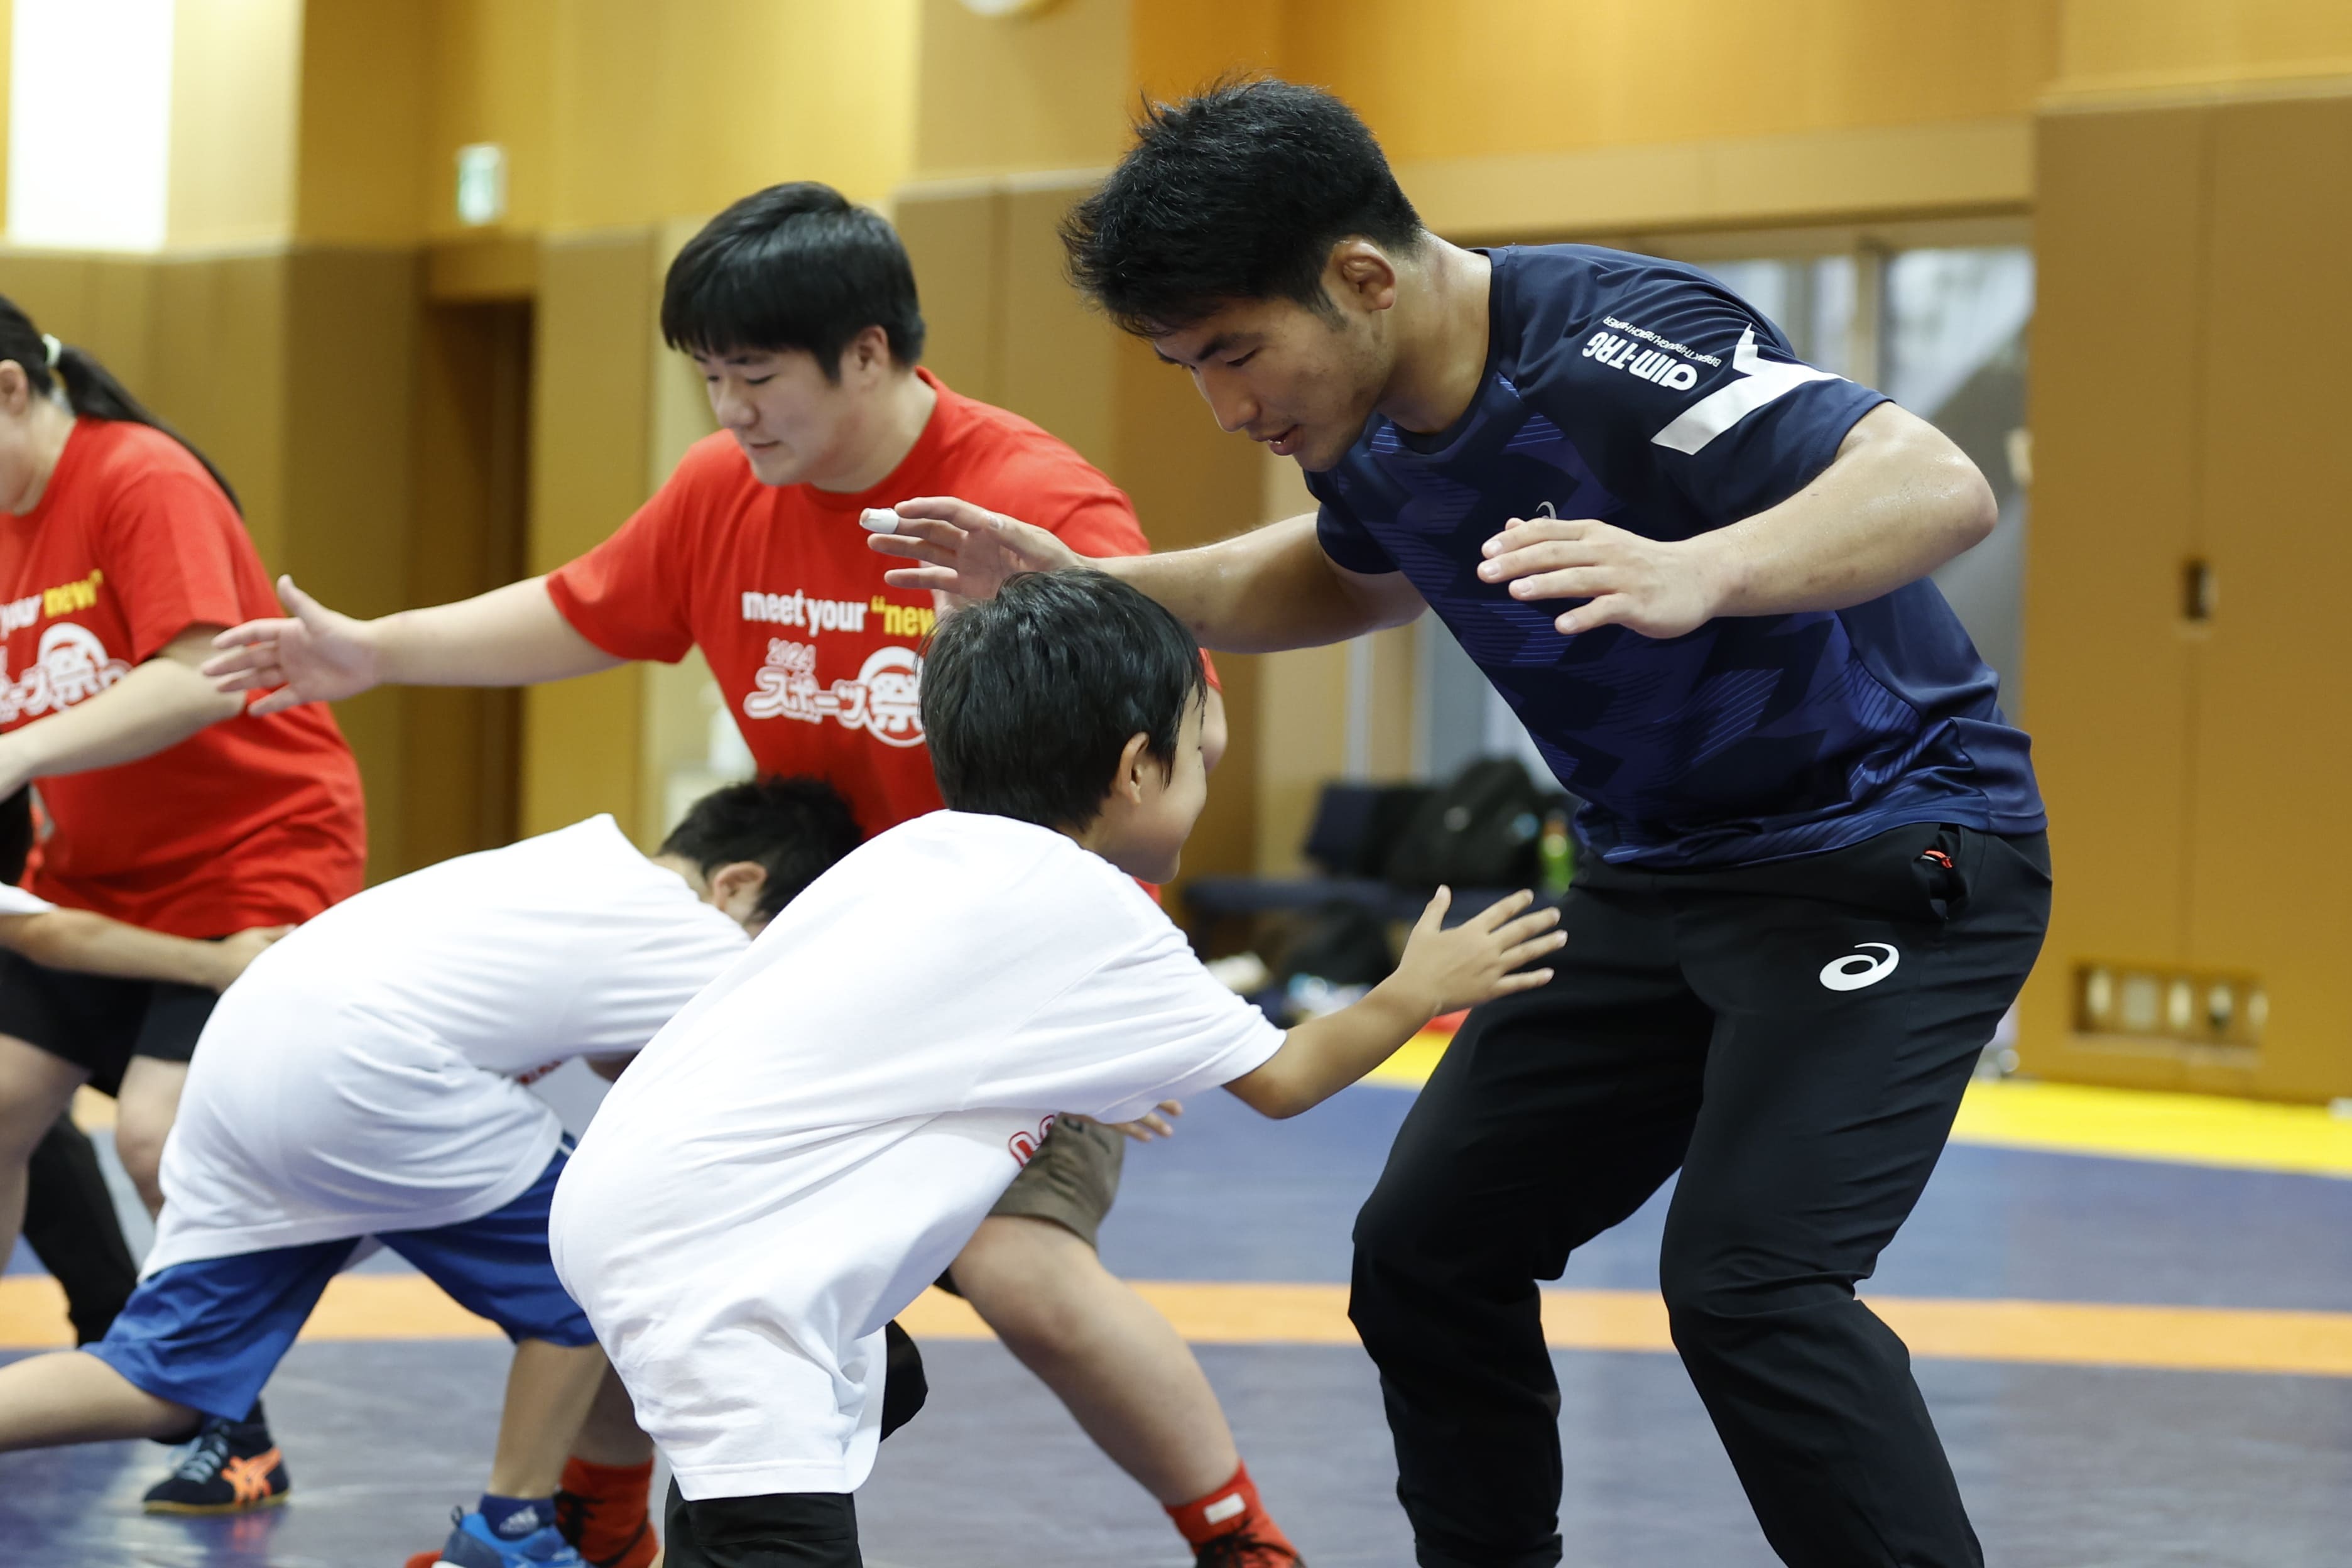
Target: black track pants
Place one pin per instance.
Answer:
(1795, 1037)
(69, 1224)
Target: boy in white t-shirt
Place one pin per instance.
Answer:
(366, 1078)
(805, 1147)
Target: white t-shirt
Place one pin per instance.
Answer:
(15, 900)
(361, 1075)
(815, 1137)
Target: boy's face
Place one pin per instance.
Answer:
(1151, 810)
(794, 425)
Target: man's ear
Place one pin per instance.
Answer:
(1361, 274)
(867, 353)
(735, 887)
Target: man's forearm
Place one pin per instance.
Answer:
(512, 636)
(1259, 592)
(1888, 512)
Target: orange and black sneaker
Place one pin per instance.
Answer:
(1248, 1548)
(229, 1466)
(602, 1510)
(1229, 1527)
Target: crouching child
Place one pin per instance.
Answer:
(803, 1150)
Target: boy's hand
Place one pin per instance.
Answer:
(311, 656)
(234, 953)
(1152, 1124)
(1478, 960)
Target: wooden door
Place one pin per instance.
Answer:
(2272, 678)
(2114, 397)
(473, 436)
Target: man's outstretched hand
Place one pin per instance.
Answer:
(967, 551)
(311, 656)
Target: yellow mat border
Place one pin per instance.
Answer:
(2211, 1129)
(378, 1307)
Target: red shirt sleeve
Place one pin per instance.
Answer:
(629, 595)
(169, 553)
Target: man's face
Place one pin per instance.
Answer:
(1298, 380)
(792, 423)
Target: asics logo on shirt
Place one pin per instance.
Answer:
(1858, 969)
(70, 666)
(884, 700)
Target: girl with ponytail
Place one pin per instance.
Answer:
(165, 805)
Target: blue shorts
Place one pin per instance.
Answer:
(208, 1333)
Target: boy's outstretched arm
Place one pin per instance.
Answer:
(1442, 970)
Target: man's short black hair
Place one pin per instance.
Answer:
(1238, 193)
(793, 267)
(1029, 698)
(793, 827)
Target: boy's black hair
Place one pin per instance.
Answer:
(1029, 698)
(794, 827)
(1238, 193)
(793, 267)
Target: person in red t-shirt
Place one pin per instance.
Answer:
(801, 311)
(168, 804)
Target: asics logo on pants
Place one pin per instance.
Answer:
(1858, 969)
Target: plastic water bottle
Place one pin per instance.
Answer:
(1555, 854)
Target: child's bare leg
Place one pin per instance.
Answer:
(73, 1397)
(610, 1436)
(145, 1107)
(1119, 1366)
(35, 1089)
(549, 1391)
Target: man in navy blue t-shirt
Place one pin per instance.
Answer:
(1814, 872)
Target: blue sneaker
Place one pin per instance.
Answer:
(472, 1544)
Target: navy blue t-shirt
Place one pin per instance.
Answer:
(1647, 394)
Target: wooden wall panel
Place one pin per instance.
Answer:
(1059, 356)
(350, 334)
(955, 236)
(2114, 404)
(218, 371)
(2273, 751)
(591, 417)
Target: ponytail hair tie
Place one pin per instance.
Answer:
(55, 348)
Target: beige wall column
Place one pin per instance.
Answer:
(592, 417)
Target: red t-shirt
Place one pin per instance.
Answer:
(774, 582)
(248, 822)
